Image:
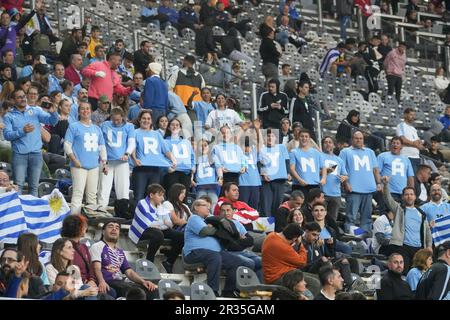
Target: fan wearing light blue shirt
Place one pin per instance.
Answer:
(84, 145)
(250, 180)
(120, 143)
(397, 167)
(363, 180)
(423, 259)
(152, 154)
(274, 173)
(182, 151)
(337, 174)
(307, 165)
(229, 157)
(202, 108)
(22, 128)
(207, 176)
(436, 208)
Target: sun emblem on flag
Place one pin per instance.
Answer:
(55, 204)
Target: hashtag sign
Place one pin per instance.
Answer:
(91, 142)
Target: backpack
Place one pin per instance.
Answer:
(41, 43)
(122, 208)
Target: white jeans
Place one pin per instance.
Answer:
(119, 171)
(83, 180)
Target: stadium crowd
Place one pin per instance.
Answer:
(109, 116)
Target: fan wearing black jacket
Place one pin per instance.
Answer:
(234, 238)
(273, 105)
(435, 283)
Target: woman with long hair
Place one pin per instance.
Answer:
(294, 287)
(422, 261)
(120, 101)
(84, 145)
(222, 116)
(28, 244)
(162, 123)
(61, 261)
(151, 156)
(179, 211)
(296, 216)
(183, 152)
(7, 90)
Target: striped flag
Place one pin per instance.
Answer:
(12, 220)
(441, 230)
(44, 215)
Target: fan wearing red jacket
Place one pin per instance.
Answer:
(243, 212)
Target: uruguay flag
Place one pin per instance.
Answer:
(12, 220)
(441, 230)
(144, 216)
(44, 215)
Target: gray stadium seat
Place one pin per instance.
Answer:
(147, 270)
(247, 281)
(45, 188)
(201, 291)
(165, 285)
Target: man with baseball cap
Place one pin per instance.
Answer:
(155, 92)
(435, 282)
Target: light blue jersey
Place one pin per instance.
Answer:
(307, 164)
(193, 240)
(206, 172)
(273, 161)
(434, 210)
(333, 186)
(117, 138)
(359, 164)
(134, 112)
(251, 177)
(73, 115)
(85, 140)
(202, 109)
(228, 156)
(398, 168)
(15, 120)
(151, 148)
(183, 152)
(413, 223)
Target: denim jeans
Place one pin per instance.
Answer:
(142, 177)
(250, 260)
(344, 21)
(250, 195)
(27, 166)
(211, 192)
(415, 163)
(362, 203)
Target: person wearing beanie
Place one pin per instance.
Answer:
(155, 92)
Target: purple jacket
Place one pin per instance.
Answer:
(8, 35)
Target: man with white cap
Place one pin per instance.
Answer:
(155, 92)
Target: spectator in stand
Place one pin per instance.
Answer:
(102, 113)
(55, 79)
(302, 108)
(177, 110)
(104, 79)
(384, 48)
(155, 92)
(111, 265)
(294, 287)
(178, 210)
(73, 70)
(183, 152)
(283, 212)
(344, 10)
(120, 143)
(152, 222)
(165, 9)
(186, 80)
(331, 282)
(331, 59)
(279, 256)
(382, 233)
(201, 247)
(435, 284)
(149, 14)
(100, 54)
(22, 126)
(27, 70)
(202, 108)
(392, 286)
(231, 47)
(70, 46)
(422, 261)
(394, 65)
(188, 17)
(273, 105)
(228, 156)
(142, 57)
(250, 180)
(421, 183)
(441, 82)
(243, 212)
(363, 180)
(445, 120)
(336, 175)
(411, 142)
(28, 244)
(274, 174)
(270, 52)
(84, 146)
(5, 183)
(285, 132)
(208, 9)
(61, 259)
(151, 154)
(437, 207)
(204, 39)
(222, 116)
(94, 41)
(397, 167)
(307, 165)
(411, 231)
